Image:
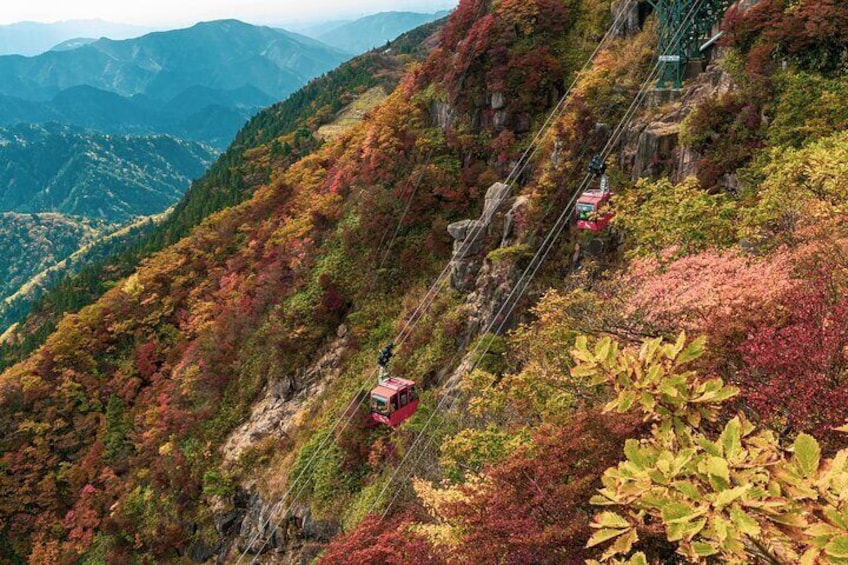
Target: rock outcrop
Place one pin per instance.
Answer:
(630, 15)
(274, 414)
(247, 521)
(651, 146)
(470, 237)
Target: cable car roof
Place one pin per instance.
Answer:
(593, 196)
(390, 386)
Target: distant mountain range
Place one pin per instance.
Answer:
(33, 38)
(372, 31)
(200, 83)
(63, 169)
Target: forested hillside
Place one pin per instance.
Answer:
(67, 170)
(34, 242)
(64, 189)
(668, 389)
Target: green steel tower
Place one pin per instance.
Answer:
(685, 28)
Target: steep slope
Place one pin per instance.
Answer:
(375, 30)
(207, 406)
(278, 136)
(248, 298)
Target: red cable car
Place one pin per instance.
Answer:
(592, 207)
(393, 401)
(592, 210)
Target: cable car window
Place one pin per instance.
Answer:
(403, 399)
(585, 211)
(379, 404)
(413, 394)
(394, 402)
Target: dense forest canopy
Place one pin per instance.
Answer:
(672, 389)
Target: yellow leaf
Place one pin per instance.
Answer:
(603, 535)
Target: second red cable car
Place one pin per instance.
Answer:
(592, 207)
(393, 400)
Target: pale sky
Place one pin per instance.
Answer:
(165, 13)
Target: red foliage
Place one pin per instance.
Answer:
(721, 294)
(377, 542)
(83, 520)
(796, 373)
(147, 359)
(813, 34)
(726, 132)
(534, 507)
(333, 304)
(483, 50)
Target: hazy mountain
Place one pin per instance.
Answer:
(62, 169)
(223, 55)
(200, 83)
(32, 38)
(316, 29)
(198, 113)
(70, 44)
(372, 31)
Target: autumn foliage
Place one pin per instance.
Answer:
(811, 33)
(382, 542)
(795, 372)
(532, 508)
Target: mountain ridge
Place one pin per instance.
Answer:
(138, 80)
(375, 30)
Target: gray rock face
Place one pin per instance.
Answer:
(284, 398)
(440, 115)
(652, 146)
(470, 236)
(271, 528)
(495, 197)
(498, 100)
(508, 237)
(655, 146)
(628, 12)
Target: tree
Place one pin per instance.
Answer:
(734, 495)
(796, 373)
(659, 215)
(721, 294)
(801, 187)
(811, 34)
(381, 542)
(531, 507)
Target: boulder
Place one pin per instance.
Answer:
(498, 101)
